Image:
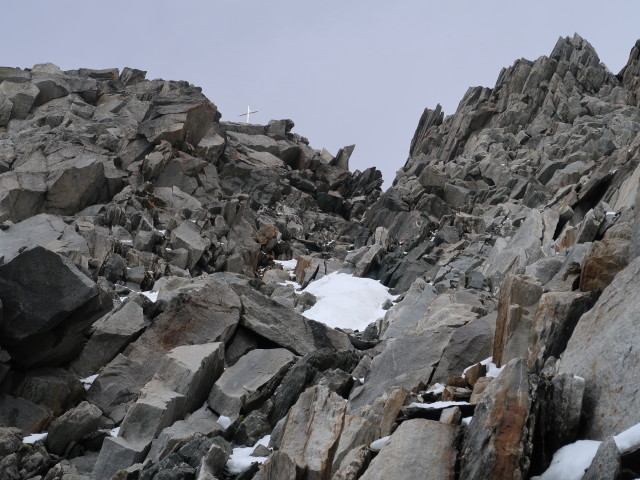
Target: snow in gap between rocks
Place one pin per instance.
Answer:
(492, 369)
(378, 444)
(628, 440)
(437, 405)
(570, 462)
(287, 265)
(241, 457)
(153, 296)
(34, 437)
(88, 381)
(345, 301)
(224, 422)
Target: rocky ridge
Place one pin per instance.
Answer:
(139, 236)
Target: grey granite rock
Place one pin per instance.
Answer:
(250, 381)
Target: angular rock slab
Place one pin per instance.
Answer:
(48, 231)
(117, 453)
(285, 327)
(112, 334)
(556, 317)
(517, 304)
(603, 262)
(200, 422)
(47, 304)
(312, 432)
(353, 464)
(20, 413)
(252, 379)
(606, 464)
(278, 466)
(157, 408)
(604, 351)
(493, 446)
(418, 450)
(469, 345)
(356, 431)
(191, 370)
(209, 315)
(72, 426)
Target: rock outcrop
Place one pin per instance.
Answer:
(151, 327)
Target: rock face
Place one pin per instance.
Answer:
(419, 449)
(602, 351)
(250, 381)
(47, 304)
(495, 442)
(312, 431)
(147, 248)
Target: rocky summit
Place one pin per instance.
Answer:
(179, 294)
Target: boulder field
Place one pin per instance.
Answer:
(154, 261)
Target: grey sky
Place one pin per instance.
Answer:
(346, 71)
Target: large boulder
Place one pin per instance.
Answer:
(46, 230)
(285, 327)
(605, 259)
(418, 450)
(72, 427)
(312, 432)
(409, 358)
(111, 335)
(518, 301)
(210, 314)
(603, 351)
(47, 304)
(244, 386)
(494, 445)
(63, 184)
(180, 123)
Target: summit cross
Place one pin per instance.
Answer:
(248, 114)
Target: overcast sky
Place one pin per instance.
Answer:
(345, 71)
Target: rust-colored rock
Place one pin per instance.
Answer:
(385, 410)
(605, 259)
(517, 304)
(477, 371)
(418, 450)
(266, 234)
(478, 389)
(494, 446)
(312, 432)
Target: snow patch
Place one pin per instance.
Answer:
(628, 440)
(224, 422)
(436, 389)
(153, 296)
(34, 437)
(88, 381)
(466, 420)
(492, 369)
(288, 265)
(241, 457)
(570, 462)
(345, 301)
(114, 431)
(378, 444)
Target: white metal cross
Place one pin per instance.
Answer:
(248, 114)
